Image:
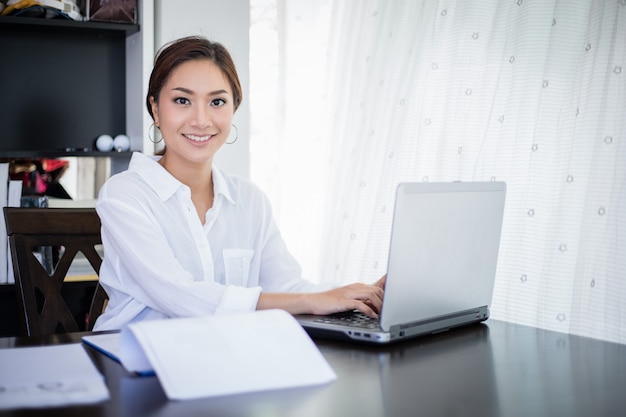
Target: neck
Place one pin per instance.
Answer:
(198, 177)
(194, 175)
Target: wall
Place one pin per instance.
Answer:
(226, 22)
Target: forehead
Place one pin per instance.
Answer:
(198, 74)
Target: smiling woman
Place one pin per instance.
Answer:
(182, 238)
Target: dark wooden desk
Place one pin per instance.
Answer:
(492, 369)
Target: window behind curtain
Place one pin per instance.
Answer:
(351, 97)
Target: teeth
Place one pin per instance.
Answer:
(197, 138)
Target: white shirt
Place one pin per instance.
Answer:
(160, 261)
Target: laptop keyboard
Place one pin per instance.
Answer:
(352, 319)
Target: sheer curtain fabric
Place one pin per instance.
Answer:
(351, 97)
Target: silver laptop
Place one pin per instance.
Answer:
(441, 268)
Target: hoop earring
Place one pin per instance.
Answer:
(236, 135)
(150, 136)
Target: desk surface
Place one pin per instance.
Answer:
(490, 369)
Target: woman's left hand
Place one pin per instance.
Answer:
(365, 298)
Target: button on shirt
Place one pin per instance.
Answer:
(160, 261)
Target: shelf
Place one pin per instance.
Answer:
(61, 154)
(42, 24)
(66, 82)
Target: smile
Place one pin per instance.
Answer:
(196, 138)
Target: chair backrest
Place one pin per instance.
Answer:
(35, 234)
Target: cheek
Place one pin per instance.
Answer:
(169, 116)
(224, 118)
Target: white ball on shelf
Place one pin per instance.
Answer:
(121, 143)
(104, 143)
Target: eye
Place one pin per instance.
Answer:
(218, 102)
(181, 100)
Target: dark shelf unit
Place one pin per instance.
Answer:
(62, 84)
(34, 62)
(66, 24)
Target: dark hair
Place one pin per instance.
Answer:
(171, 55)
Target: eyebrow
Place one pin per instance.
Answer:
(188, 91)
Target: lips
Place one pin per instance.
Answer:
(198, 138)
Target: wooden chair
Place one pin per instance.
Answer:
(43, 310)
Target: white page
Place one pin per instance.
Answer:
(45, 376)
(225, 354)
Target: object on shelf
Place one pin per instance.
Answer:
(49, 9)
(104, 143)
(40, 176)
(121, 143)
(119, 11)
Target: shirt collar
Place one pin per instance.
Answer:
(220, 187)
(165, 184)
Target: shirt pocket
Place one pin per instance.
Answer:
(237, 266)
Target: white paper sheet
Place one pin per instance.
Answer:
(47, 376)
(226, 354)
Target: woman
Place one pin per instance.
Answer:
(182, 238)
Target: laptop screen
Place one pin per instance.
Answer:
(444, 248)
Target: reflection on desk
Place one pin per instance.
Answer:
(490, 369)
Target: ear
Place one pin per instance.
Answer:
(155, 110)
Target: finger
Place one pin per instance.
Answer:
(365, 292)
(364, 308)
(372, 296)
(381, 282)
(377, 292)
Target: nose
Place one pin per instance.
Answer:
(202, 117)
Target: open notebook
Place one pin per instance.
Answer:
(211, 356)
(442, 264)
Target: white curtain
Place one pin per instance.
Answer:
(350, 97)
